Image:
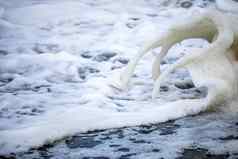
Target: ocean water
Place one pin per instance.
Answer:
(59, 60)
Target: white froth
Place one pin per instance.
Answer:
(67, 103)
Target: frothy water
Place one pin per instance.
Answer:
(58, 63)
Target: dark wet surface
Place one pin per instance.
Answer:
(200, 153)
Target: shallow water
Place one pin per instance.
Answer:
(57, 61)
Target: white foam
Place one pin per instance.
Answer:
(64, 122)
(74, 106)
